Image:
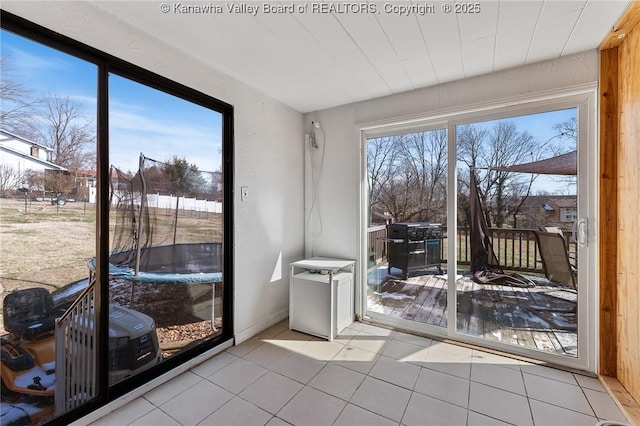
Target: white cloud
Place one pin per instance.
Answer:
(133, 132)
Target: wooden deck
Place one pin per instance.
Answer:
(538, 317)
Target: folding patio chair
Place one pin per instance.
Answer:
(556, 262)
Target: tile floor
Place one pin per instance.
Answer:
(367, 376)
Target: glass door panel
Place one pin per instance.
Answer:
(48, 216)
(407, 228)
(517, 219)
(165, 286)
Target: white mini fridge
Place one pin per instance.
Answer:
(321, 296)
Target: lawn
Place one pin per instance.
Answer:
(45, 246)
(49, 246)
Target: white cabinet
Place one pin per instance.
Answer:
(321, 296)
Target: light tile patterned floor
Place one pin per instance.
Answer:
(368, 376)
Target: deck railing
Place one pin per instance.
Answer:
(516, 249)
(376, 246)
(76, 373)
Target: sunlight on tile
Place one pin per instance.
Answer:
(294, 345)
(356, 359)
(368, 342)
(321, 350)
(393, 371)
(370, 377)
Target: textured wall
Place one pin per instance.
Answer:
(338, 190)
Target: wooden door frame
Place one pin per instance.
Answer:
(611, 74)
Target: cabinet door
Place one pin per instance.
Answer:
(310, 310)
(343, 286)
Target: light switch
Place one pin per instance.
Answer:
(244, 193)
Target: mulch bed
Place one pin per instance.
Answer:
(182, 312)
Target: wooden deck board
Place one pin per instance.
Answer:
(416, 306)
(538, 318)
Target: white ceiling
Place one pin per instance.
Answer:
(312, 61)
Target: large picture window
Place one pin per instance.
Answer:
(166, 210)
(116, 241)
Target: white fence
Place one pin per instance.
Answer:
(169, 202)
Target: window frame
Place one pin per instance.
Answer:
(107, 64)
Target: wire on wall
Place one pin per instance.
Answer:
(317, 139)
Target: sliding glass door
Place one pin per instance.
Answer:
(406, 227)
(517, 235)
(507, 262)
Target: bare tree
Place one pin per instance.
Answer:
(563, 140)
(407, 175)
(380, 152)
(19, 106)
(567, 129)
(507, 146)
(470, 141)
(500, 145)
(567, 135)
(59, 182)
(69, 133)
(426, 160)
(35, 180)
(10, 178)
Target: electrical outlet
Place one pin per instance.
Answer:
(244, 193)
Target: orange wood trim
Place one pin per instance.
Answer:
(623, 399)
(609, 140)
(628, 218)
(628, 20)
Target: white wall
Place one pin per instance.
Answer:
(339, 185)
(20, 164)
(269, 226)
(16, 161)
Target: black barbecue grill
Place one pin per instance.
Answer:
(414, 245)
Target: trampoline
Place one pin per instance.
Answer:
(163, 261)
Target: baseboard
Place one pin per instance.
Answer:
(248, 333)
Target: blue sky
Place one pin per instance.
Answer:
(141, 119)
(540, 126)
(144, 120)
